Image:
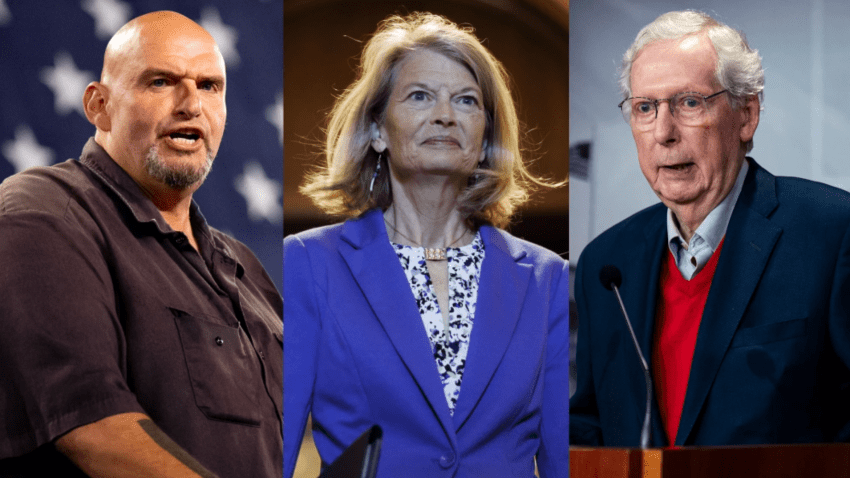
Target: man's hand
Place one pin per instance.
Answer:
(128, 445)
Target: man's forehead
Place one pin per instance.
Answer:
(153, 41)
(182, 53)
(154, 46)
(693, 46)
(690, 59)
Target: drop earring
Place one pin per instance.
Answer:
(377, 170)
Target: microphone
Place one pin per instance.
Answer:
(611, 279)
(610, 276)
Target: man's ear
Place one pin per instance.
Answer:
(750, 112)
(94, 103)
(379, 143)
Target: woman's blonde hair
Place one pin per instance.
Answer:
(500, 183)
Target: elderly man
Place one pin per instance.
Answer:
(737, 284)
(136, 340)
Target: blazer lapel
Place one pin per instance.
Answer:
(496, 316)
(640, 301)
(750, 239)
(375, 267)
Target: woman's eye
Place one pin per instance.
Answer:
(159, 82)
(419, 96)
(469, 100)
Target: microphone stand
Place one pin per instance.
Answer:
(645, 430)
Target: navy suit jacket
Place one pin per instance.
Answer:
(773, 347)
(356, 354)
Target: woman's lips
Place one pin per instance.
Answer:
(442, 141)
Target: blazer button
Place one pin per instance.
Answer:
(219, 341)
(447, 460)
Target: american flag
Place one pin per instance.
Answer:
(50, 50)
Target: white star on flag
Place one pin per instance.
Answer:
(274, 115)
(226, 36)
(25, 152)
(109, 16)
(67, 82)
(5, 14)
(261, 193)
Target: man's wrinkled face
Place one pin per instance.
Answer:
(688, 165)
(166, 106)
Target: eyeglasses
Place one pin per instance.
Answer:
(688, 108)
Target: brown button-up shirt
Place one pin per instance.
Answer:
(104, 309)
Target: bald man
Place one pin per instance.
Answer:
(135, 340)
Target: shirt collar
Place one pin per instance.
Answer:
(143, 210)
(713, 227)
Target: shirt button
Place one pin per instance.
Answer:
(447, 460)
(219, 341)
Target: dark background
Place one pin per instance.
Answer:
(322, 44)
(38, 36)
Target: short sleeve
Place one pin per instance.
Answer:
(61, 346)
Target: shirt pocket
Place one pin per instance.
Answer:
(222, 369)
(768, 333)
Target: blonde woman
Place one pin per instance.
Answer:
(418, 313)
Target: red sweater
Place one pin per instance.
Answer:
(678, 315)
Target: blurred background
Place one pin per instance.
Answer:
(804, 128)
(50, 51)
(322, 44)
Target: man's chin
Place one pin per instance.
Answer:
(179, 171)
(678, 197)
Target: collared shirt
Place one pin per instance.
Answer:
(107, 310)
(703, 243)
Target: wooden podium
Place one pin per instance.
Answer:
(775, 461)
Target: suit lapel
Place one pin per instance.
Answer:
(643, 296)
(496, 316)
(750, 239)
(375, 267)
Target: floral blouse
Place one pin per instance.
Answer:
(449, 347)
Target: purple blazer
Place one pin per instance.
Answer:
(356, 354)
